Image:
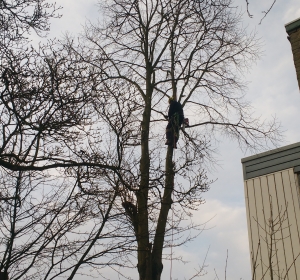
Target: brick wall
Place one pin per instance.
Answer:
(293, 30)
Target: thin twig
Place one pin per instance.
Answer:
(266, 12)
(250, 16)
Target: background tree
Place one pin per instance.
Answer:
(51, 218)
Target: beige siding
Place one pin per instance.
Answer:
(260, 221)
(247, 199)
(281, 226)
(264, 233)
(273, 216)
(292, 228)
(275, 239)
(255, 253)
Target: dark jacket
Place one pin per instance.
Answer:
(176, 107)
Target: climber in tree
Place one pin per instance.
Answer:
(175, 118)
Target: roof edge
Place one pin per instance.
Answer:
(289, 27)
(270, 152)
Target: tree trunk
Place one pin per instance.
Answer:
(166, 204)
(144, 246)
(150, 265)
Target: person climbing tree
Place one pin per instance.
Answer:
(175, 118)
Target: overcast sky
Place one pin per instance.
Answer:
(273, 91)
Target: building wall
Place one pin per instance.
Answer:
(293, 29)
(273, 215)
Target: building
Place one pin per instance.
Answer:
(273, 212)
(272, 195)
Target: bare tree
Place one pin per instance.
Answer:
(52, 208)
(195, 52)
(93, 113)
(53, 226)
(49, 225)
(18, 19)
